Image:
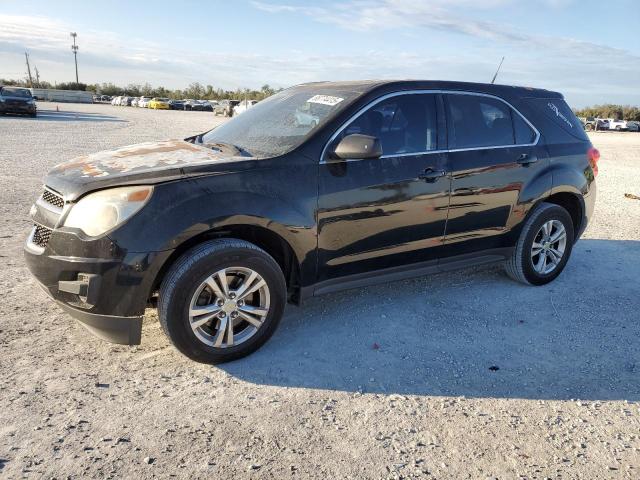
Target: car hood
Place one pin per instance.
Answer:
(149, 163)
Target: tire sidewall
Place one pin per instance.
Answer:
(177, 310)
(553, 213)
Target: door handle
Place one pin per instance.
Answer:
(430, 175)
(526, 159)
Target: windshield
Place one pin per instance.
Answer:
(15, 92)
(281, 122)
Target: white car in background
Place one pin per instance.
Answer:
(115, 100)
(134, 102)
(617, 124)
(144, 102)
(243, 106)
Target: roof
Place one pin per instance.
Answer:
(494, 89)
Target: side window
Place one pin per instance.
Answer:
(524, 133)
(477, 121)
(403, 124)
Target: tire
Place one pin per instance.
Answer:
(589, 127)
(183, 288)
(522, 266)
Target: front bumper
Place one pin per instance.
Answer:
(123, 330)
(17, 108)
(107, 293)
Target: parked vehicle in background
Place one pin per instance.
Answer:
(144, 102)
(619, 125)
(176, 104)
(225, 107)
(633, 126)
(309, 114)
(17, 100)
(591, 124)
(115, 100)
(207, 106)
(159, 104)
(228, 226)
(191, 104)
(134, 102)
(243, 106)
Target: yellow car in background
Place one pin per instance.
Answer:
(159, 103)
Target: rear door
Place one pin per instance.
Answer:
(493, 156)
(389, 211)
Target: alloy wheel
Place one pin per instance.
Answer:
(548, 247)
(229, 307)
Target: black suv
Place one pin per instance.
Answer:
(393, 180)
(17, 100)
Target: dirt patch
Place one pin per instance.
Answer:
(459, 375)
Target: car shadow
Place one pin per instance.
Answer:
(472, 333)
(66, 116)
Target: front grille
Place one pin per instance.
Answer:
(53, 198)
(41, 236)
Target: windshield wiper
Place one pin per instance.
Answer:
(224, 146)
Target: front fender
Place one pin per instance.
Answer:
(181, 210)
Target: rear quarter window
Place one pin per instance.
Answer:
(557, 110)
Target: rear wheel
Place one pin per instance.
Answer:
(222, 300)
(544, 246)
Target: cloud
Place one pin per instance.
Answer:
(556, 61)
(569, 65)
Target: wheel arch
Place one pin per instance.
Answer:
(572, 203)
(268, 240)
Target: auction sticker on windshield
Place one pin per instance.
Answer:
(325, 100)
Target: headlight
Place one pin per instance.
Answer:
(99, 212)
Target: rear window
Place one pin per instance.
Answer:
(560, 114)
(477, 121)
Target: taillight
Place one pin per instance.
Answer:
(593, 154)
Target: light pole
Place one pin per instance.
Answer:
(74, 47)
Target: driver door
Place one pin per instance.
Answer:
(389, 211)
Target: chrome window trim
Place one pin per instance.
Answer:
(448, 150)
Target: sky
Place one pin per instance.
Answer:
(588, 50)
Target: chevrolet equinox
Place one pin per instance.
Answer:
(384, 180)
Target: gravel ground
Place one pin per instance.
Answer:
(458, 375)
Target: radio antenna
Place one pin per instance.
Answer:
(494, 77)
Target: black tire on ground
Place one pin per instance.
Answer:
(520, 265)
(589, 127)
(190, 270)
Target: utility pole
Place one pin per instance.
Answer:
(74, 47)
(37, 77)
(26, 56)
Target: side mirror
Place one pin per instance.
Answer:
(358, 147)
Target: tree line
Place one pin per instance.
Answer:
(618, 112)
(208, 92)
(195, 90)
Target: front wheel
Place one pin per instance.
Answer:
(544, 246)
(222, 300)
